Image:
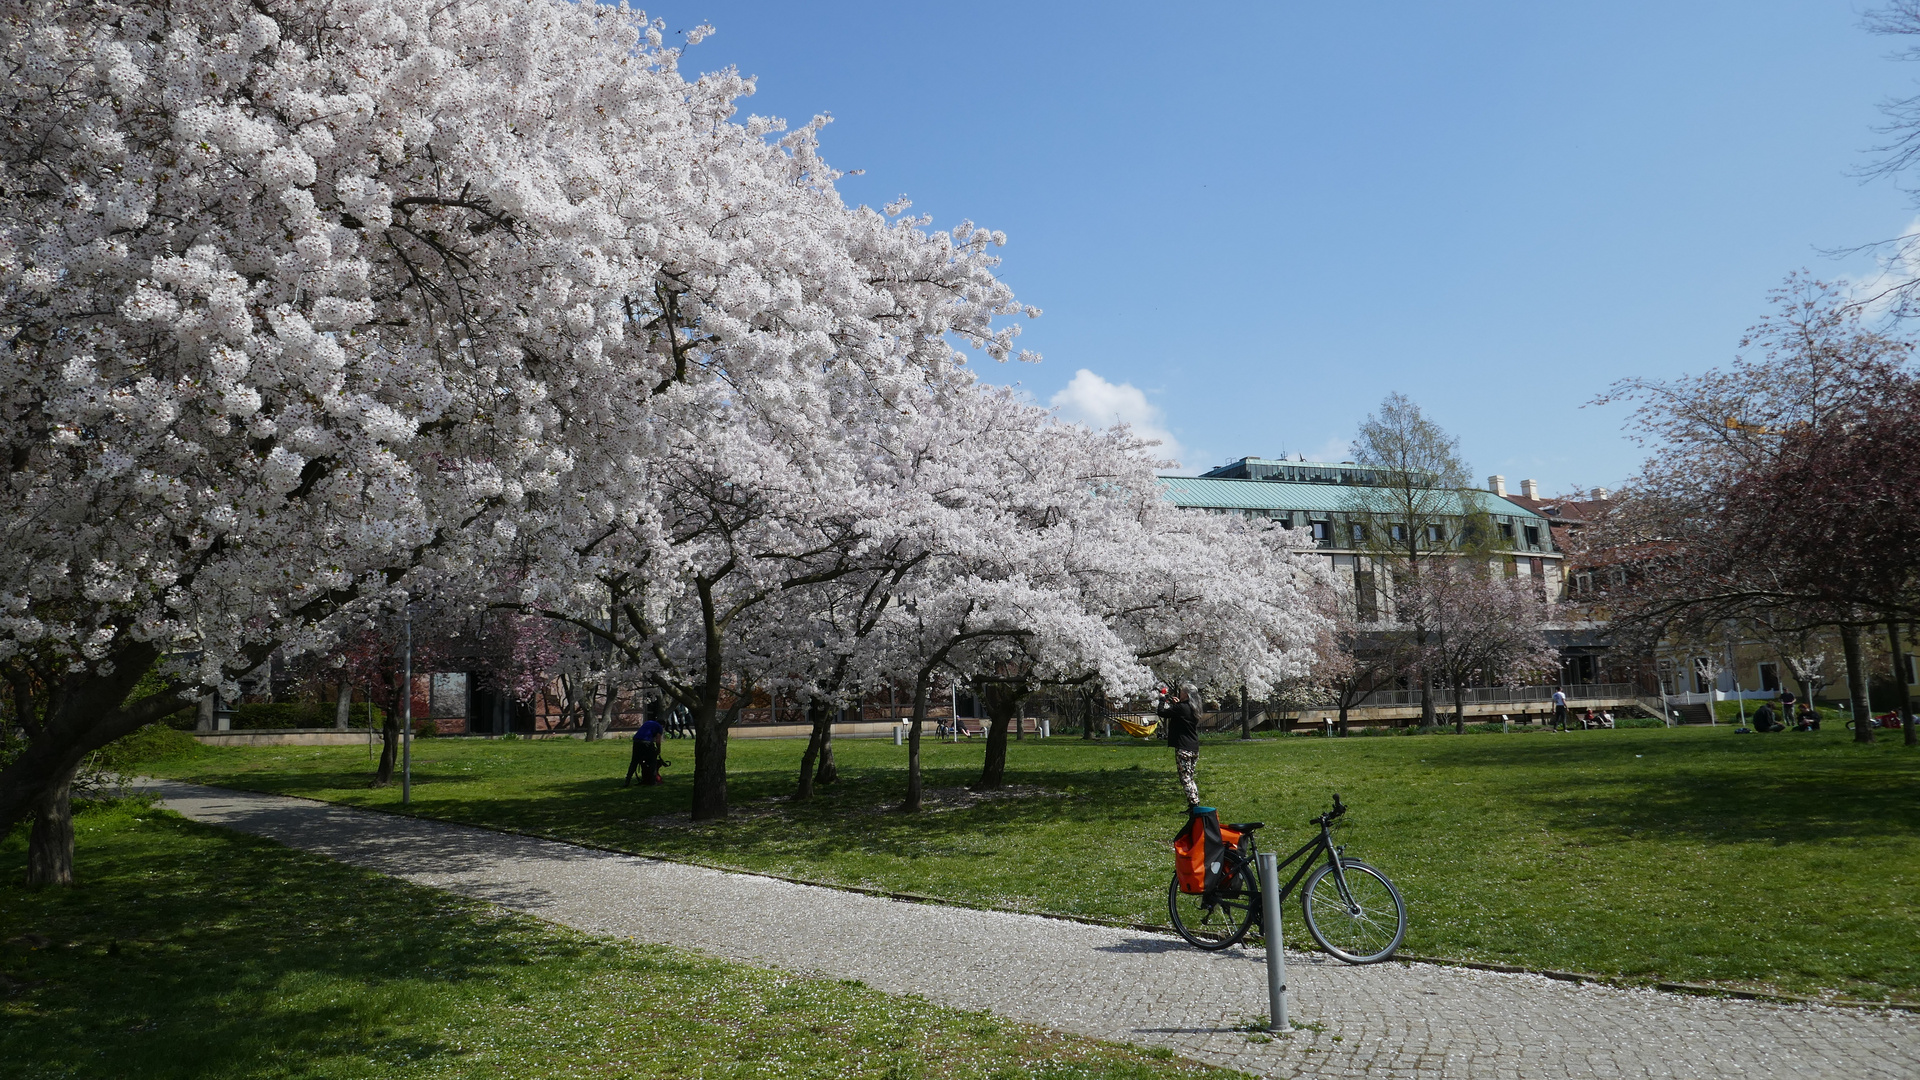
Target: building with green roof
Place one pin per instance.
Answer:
(1321, 497)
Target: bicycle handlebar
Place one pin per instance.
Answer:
(1329, 816)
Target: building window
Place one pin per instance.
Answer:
(1618, 576)
(1366, 600)
(1770, 678)
(1398, 532)
(1538, 566)
(1583, 583)
(1436, 534)
(1513, 567)
(1533, 536)
(1506, 533)
(1359, 534)
(1322, 531)
(447, 695)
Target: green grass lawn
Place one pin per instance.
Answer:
(1783, 861)
(187, 951)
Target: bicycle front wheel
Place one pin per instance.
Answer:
(1366, 925)
(1216, 927)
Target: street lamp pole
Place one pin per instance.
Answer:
(406, 724)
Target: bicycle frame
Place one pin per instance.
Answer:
(1323, 842)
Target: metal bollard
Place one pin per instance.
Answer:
(897, 732)
(1276, 956)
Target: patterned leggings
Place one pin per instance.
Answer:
(1184, 761)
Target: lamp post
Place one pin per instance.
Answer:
(406, 716)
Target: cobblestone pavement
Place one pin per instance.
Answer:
(1391, 1020)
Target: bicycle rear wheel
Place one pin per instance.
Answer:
(1364, 927)
(1216, 927)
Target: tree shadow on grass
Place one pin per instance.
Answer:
(189, 951)
(1762, 788)
(857, 815)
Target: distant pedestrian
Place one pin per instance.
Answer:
(1183, 734)
(646, 753)
(1560, 709)
(1763, 720)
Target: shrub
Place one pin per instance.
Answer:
(1638, 722)
(150, 743)
(299, 714)
(292, 714)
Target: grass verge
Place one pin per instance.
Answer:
(1779, 863)
(188, 951)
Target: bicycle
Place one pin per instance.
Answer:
(1352, 910)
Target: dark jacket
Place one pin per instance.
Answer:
(1183, 724)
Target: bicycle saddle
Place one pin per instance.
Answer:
(1248, 826)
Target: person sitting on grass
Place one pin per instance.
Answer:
(1764, 722)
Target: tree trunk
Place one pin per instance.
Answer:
(1427, 712)
(343, 707)
(1003, 704)
(921, 687)
(1459, 710)
(1901, 703)
(88, 712)
(1246, 716)
(820, 714)
(389, 746)
(1343, 719)
(600, 720)
(50, 845)
(709, 762)
(1861, 706)
(828, 772)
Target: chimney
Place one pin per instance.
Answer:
(1497, 485)
(1602, 494)
(1530, 489)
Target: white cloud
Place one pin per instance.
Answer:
(1097, 403)
(1896, 264)
(1335, 449)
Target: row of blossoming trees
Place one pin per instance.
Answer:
(315, 308)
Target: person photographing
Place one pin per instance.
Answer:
(1183, 734)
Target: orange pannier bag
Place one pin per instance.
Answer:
(1200, 851)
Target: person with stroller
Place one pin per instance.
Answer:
(1183, 734)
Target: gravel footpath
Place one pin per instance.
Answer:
(1391, 1020)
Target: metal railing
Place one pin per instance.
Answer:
(1502, 695)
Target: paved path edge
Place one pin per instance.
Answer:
(1684, 989)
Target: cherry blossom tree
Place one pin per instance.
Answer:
(1735, 517)
(1484, 629)
(303, 301)
(1353, 657)
(266, 277)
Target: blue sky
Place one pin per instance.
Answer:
(1248, 223)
